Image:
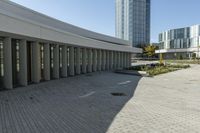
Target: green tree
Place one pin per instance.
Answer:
(150, 50)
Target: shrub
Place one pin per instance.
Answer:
(180, 66)
(194, 56)
(165, 69)
(181, 57)
(157, 69)
(137, 68)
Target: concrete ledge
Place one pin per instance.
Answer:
(132, 72)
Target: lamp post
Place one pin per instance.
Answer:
(160, 56)
(175, 54)
(198, 50)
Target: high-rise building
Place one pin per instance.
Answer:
(133, 21)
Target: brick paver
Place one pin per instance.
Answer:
(169, 103)
(83, 104)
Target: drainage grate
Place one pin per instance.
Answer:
(31, 98)
(118, 94)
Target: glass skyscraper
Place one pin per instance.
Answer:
(133, 21)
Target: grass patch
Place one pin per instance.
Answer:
(183, 61)
(179, 66)
(160, 70)
(154, 70)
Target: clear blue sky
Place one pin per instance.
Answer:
(99, 15)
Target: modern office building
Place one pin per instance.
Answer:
(133, 21)
(35, 48)
(155, 44)
(180, 43)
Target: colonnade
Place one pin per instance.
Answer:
(24, 62)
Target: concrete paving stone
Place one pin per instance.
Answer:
(168, 103)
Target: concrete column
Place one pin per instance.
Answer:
(107, 60)
(127, 60)
(71, 61)
(36, 63)
(130, 59)
(114, 60)
(94, 66)
(89, 60)
(64, 62)
(103, 60)
(23, 80)
(111, 60)
(56, 66)
(46, 62)
(99, 60)
(118, 60)
(84, 60)
(78, 61)
(7, 61)
(124, 59)
(121, 60)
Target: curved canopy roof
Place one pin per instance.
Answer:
(32, 15)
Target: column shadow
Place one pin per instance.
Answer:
(80, 104)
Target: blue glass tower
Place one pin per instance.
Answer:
(133, 21)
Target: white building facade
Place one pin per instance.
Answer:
(36, 48)
(182, 42)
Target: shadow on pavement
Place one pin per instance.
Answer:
(81, 104)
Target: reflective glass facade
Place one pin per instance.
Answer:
(133, 21)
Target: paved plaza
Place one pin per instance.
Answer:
(168, 103)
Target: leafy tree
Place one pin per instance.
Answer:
(150, 50)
